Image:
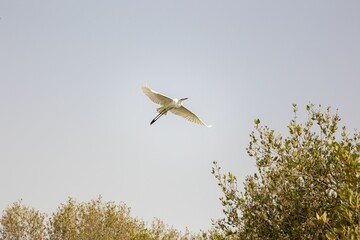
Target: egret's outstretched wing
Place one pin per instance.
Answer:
(187, 114)
(155, 96)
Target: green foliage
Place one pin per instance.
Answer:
(307, 185)
(94, 220)
(20, 222)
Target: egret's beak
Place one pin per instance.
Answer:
(184, 98)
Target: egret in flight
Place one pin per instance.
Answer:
(173, 105)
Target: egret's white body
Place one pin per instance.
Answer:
(173, 105)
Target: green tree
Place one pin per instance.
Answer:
(20, 222)
(307, 185)
(95, 220)
(106, 220)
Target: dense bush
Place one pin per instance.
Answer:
(95, 220)
(307, 185)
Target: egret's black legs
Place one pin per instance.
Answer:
(157, 117)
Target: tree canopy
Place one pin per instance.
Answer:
(93, 220)
(306, 187)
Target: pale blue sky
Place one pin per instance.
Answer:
(74, 122)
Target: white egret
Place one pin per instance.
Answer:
(173, 105)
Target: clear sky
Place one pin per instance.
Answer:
(74, 121)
